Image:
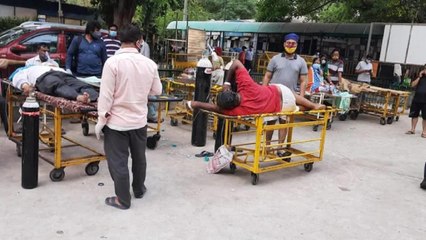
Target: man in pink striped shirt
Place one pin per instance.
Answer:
(127, 79)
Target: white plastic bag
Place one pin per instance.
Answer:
(220, 159)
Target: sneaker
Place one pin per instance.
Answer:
(423, 184)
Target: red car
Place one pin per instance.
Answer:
(20, 43)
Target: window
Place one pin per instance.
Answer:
(12, 34)
(50, 39)
(69, 36)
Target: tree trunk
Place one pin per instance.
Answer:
(124, 10)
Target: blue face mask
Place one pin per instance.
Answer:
(316, 65)
(113, 33)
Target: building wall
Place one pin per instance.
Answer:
(25, 12)
(7, 11)
(30, 11)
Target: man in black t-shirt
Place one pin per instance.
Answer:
(419, 103)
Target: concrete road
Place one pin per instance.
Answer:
(367, 187)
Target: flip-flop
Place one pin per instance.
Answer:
(204, 154)
(410, 132)
(284, 155)
(111, 201)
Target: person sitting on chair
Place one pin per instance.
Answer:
(252, 98)
(53, 81)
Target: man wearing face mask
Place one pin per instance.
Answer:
(288, 69)
(87, 53)
(127, 80)
(364, 70)
(112, 44)
(42, 57)
(144, 47)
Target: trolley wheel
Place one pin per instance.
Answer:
(85, 128)
(92, 168)
(308, 166)
(353, 115)
(19, 150)
(383, 121)
(342, 117)
(254, 178)
(157, 137)
(233, 167)
(174, 122)
(315, 128)
(389, 120)
(396, 118)
(57, 174)
(151, 142)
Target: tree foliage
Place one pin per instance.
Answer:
(373, 11)
(286, 10)
(343, 10)
(230, 9)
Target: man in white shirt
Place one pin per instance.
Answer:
(364, 70)
(52, 81)
(127, 80)
(152, 107)
(397, 73)
(249, 58)
(145, 48)
(42, 57)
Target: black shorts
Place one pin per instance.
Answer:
(416, 108)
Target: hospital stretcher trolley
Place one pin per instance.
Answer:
(258, 156)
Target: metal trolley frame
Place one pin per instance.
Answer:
(53, 138)
(258, 156)
(387, 104)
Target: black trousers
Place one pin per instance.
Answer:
(117, 145)
(64, 85)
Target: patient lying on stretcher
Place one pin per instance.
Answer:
(53, 81)
(252, 98)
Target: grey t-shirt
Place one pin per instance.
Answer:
(287, 71)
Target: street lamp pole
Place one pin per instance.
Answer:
(185, 17)
(60, 13)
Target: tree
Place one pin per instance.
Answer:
(365, 11)
(119, 12)
(286, 10)
(230, 9)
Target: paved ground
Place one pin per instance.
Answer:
(367, 187)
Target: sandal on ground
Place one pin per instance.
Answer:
(409, 132)
(284, 155)
(204, 154)
(423, 135)
(112, 201)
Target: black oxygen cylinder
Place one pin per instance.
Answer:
(30, 115)
(202, 92)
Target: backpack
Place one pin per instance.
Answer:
(74, 62)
